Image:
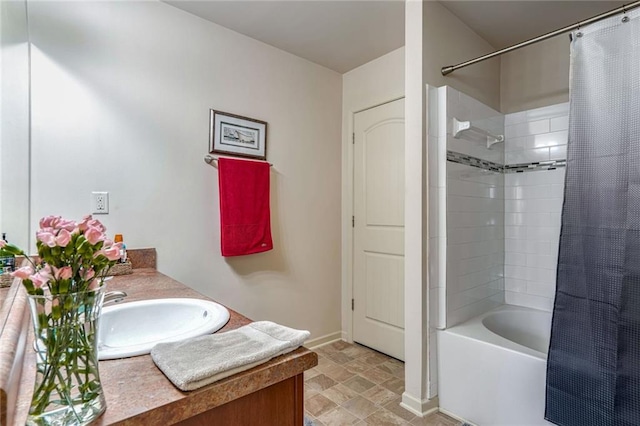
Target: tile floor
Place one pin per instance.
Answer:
(355, 385)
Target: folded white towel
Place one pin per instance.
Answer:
(193, 363)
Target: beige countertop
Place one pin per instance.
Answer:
(138, 393)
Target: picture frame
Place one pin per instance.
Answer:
(236, 135)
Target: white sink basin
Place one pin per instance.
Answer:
(133, 328)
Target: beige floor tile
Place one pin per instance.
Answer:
(435, 419)
(340, 345)
(374, 358)
(394, 385)
(358, 384)
(319, 382)
(393, 367)
(340, 393)
(340, 358)
(318, 405)
(361, 407)
(323, 364)
(356, 351)
(308, 392)
(357, 366)
(378, 395)
(384, 418)
(311, 373)
(338, 373)
(395, 407)
(339, 417)
(376, 375)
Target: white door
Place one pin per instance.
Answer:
(378, 270)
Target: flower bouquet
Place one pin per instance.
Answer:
(66, 290)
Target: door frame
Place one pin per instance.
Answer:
(347, 214)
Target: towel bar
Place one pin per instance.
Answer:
(210, 159)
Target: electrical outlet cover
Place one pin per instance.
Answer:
(99, 202)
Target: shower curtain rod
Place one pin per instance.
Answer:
(622, 9)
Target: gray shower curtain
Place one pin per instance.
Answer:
(593, 370)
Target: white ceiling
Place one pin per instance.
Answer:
(344, 34)
(503, 23)
(340, 35)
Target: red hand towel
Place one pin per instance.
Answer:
(245, 217)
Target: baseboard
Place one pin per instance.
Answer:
(419, 408)
(323, 340)
(460, 419)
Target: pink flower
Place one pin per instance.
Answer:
(63, 238)
(112, 252)
(2, 243)
(97, 224)
(68, 225)
(63, 273)
(46, 237)
(87, 274)
(49, 221)
(94, 284)
(23, 273)
(40, 278)
(84, 223)
(93, 235)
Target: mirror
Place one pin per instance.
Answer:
(14, 122)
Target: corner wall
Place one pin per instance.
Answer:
(369, 85)
(121, 99)
(535, 76)
(447, 41)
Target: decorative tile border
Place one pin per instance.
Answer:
(532, 167)
(468, 160)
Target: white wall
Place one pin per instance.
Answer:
(369, 85)
(533, 205)
(14, 122)
(535, 76)
(448, 41)
(121, 98)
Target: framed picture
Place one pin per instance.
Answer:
(235, 135)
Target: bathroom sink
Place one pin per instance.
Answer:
(133, 328)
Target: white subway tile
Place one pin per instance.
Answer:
(543, 289)
(516, 144)
(558, 152)
(529, 300)
(548, 111)
(515, 259)
(527, 156)
(527, 128)
(515, 118)
(515, 246)
(559, 123)
(514, 219)
(513, 284)
(515, 232)
(547, 140)
(543, 261)
(518, 272)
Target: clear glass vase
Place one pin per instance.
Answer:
(67, 388)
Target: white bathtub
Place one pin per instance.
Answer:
(492, 368)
